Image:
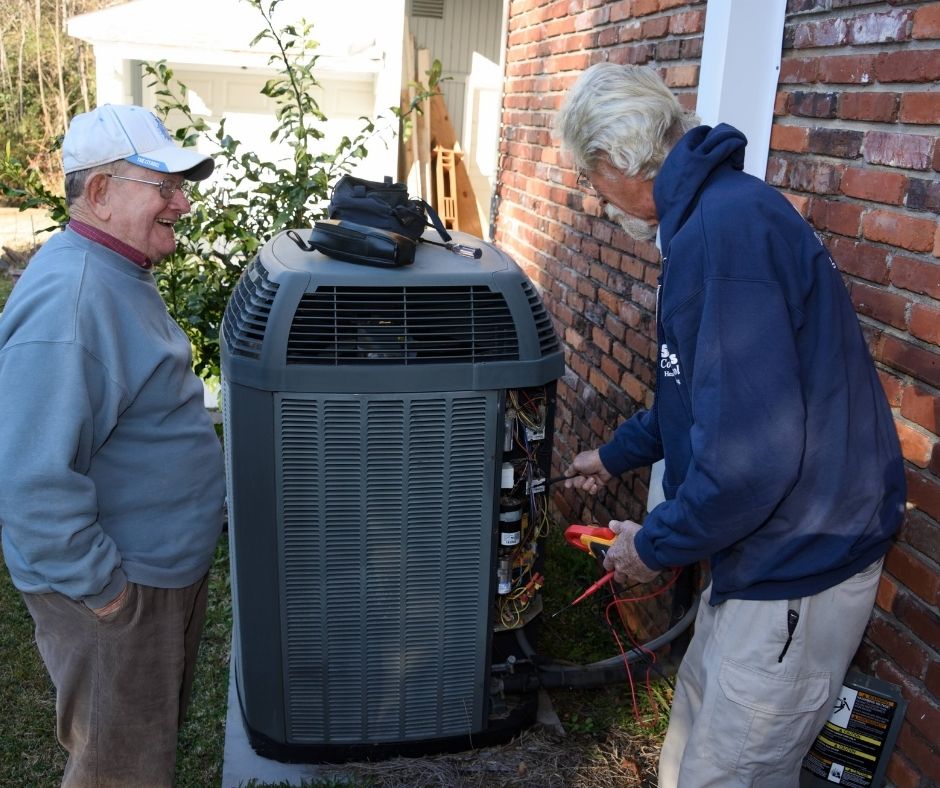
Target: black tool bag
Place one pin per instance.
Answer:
(377, 223)
(385, 205)
(356, 243)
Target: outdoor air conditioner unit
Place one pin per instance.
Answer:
(388, 438)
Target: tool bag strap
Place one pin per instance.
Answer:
(435, 220)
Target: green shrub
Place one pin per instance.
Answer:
(255, 199)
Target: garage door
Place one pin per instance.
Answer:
(249, 115)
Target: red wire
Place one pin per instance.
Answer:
(615, 603)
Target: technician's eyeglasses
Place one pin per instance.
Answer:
(167, 188)
(585, 184)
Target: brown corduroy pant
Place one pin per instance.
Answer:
(122, 682)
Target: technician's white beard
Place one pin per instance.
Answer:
(632, 226)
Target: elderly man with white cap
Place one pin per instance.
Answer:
(113, 482)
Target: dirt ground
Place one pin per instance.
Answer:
(539, 758)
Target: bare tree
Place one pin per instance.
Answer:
(47, 124)
(59, 68)
(6, 79)
(45, 78)
(83, 77)
(20, 103)
(81, 56)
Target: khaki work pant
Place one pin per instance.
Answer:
(743, 717)
(122, 682)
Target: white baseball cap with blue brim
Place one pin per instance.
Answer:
(113, 132)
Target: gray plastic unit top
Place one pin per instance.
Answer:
(302, 321)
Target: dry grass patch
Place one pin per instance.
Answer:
(538, 758)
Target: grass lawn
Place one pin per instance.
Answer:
(29, 752)
(6, 285)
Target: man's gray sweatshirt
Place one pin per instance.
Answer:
(110, 468)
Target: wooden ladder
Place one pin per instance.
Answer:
(445, 171)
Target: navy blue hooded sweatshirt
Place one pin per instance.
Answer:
(782, 460)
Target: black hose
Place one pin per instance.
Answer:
(549, 674)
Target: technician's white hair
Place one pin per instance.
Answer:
(625, 112)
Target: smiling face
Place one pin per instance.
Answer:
(135, 213)
(140, 216)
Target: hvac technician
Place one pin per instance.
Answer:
(111, 501)
(782, 465)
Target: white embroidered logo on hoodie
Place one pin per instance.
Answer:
(669, 363)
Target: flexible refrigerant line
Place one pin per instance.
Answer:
(595, 673)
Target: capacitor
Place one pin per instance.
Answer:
(510, 522)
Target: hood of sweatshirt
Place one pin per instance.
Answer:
(701, 152)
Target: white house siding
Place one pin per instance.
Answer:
(359, 65)
(468, 40)
(236, 95)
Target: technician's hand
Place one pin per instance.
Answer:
(622, 556)
(114, 605)
(588, 473)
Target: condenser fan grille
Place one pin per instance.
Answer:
(246, 317)
(402, 325)
(548, 339)
(384, 503)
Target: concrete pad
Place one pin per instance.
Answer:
(547, 716)
(240, 763)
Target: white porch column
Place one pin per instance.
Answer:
(740, 70)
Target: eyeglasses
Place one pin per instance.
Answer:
(585, 184)
(167, 188)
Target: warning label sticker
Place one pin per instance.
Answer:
(848, 748)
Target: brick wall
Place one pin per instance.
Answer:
(854, 147)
